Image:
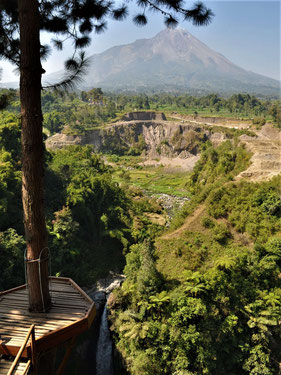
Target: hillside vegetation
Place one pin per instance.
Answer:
(205, 298)
(91, 220)
(202, 293)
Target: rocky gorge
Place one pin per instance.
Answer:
(147, 134)
(177, 143)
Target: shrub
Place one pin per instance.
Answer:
(207, 222)
(221, 233)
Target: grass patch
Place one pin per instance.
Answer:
(155, 180)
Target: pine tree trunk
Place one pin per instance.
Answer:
(33, 154)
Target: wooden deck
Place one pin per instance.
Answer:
(21, 369)
(72, 312)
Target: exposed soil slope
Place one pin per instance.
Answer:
(266, 159)
(177, 144)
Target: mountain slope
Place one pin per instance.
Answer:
(172, 60)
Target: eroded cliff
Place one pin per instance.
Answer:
(150, 138)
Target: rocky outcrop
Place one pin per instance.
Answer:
(266, 158)
(144, 116)
(149, 138)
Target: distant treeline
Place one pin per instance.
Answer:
(75, 112)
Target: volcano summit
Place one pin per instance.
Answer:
(173, 60)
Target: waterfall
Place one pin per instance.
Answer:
(104, 365)
(101, 352)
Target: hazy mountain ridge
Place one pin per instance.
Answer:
(173, 60)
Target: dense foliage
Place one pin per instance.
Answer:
(207, 300)
(75, 113)
(91, 220)
(205, 297)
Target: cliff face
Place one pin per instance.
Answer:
(149, 138)
(144, 116)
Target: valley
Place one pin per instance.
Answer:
(174, 146)
(184, 202)
(140, 188)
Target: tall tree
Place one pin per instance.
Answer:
(20, 24)
(33, 155)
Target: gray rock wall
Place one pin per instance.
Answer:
(144, 116)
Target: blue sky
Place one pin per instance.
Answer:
(246, 32)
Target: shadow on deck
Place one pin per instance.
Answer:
(72, 313)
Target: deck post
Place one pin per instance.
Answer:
(33, 349)
(66, 356)
(46, 362)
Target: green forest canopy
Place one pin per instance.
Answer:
(207, 301)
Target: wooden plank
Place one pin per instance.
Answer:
(45, 323)
(11, 329)
(19, 331)
(72, 303)
(51, 315)
(82, 292)
(30, 320)
(14, 297)
(22, 292)
(14, 307)
(61, 335)
(91, 314)
(13, 350)
(17, 303)
(47, 341)
(12, 290)
(18, 371)
(25, 325)
(21, 369)
(62, 287)
(59, 279)
(70, 297)
(27, 367)
(60, 284)
(64, 293)
(8, 363)
(65, 285)
(55, 321)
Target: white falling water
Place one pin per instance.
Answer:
(104, 348)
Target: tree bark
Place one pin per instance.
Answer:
(33, 156)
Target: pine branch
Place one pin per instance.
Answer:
(76, 69)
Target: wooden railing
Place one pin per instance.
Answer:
(31, 332)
